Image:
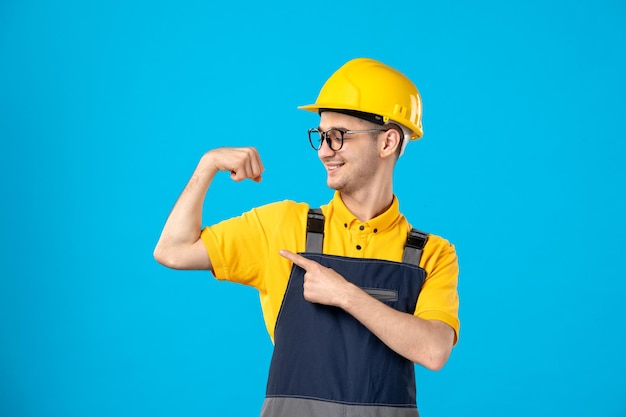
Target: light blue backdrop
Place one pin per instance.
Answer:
(106, 106)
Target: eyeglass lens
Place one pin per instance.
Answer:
(333, 137)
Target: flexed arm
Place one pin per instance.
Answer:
(180, 246)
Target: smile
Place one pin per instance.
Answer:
(333, 167)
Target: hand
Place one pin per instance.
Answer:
(242, 163)
(322, 285)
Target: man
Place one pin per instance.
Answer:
(367, 296)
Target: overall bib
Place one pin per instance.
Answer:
(325, 362)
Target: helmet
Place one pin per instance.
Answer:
(369, 86)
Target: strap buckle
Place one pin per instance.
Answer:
(316, 221)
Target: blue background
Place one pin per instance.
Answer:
(106, 107)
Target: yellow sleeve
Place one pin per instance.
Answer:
(439, 298)
(243, 248)
(235, 247)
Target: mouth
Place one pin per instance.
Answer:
(333, 166)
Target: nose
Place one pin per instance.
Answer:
(325, 149)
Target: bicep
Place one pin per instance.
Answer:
(197, 257)
(188, 257)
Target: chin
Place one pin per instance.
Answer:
(334, 185)
(340, 188)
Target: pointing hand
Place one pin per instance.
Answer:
(322, 285)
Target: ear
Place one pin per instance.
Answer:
(390, 142)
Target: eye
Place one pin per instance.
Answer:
(335, 135)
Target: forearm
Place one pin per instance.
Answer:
(182, 228)
(427, 342)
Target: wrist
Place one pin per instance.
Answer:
(350, 296)
(207, 166)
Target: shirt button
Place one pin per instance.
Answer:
(345, 225)
(375, 230)
(362, 227)
(358, 247)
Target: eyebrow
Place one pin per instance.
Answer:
(333, 127)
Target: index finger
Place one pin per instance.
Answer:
(299, 260)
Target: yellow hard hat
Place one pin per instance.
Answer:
(365, 85)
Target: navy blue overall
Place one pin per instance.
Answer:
(325, 362)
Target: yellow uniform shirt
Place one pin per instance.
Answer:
(245, 249)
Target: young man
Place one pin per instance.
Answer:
(367, 295)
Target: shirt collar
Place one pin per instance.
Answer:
(384, 221)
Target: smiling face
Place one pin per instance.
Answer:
(356, 166)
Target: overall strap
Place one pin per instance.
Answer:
(315, 231)
(414, 246)
(415, 241)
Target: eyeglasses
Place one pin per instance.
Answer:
(333, 137)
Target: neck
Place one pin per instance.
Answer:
(366, 205)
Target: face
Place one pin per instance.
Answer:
(355, 166)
